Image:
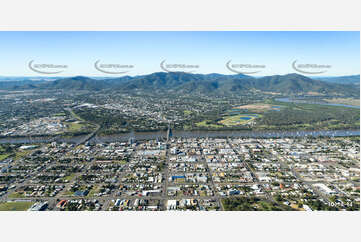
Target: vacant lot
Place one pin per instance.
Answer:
(15, 206)
(256, 106)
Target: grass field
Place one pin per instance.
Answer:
(4, 156)
(16, 195)
(21, 154)
(74, 127)
(238, 119)
(15, 206)
(205, 123)
(123, 162)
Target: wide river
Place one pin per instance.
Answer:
(187, 134)
(198, 134)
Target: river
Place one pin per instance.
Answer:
(188, 134)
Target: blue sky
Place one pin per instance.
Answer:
(209, 50)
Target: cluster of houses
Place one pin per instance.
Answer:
(187, 173)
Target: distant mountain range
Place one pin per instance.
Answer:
(218, 84)
(355, 79)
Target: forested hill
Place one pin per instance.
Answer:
(213, 84)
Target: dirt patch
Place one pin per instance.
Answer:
(256, 106)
